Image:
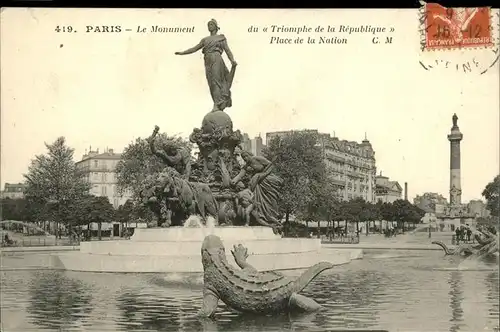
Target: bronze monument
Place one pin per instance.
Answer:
(226, 182)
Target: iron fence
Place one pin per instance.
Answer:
(39, 242)
(341, 240)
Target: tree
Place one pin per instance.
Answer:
(338, 214)
(125, 212)
(322, 204)
(137, 162)
(387, 212)
(79, 210)
(492, 195)
(368, 214)
(330, 204)
(299, 162)
(356, 210)
(405, 212)
(14, 209)
(98, 210)
(377, 213)
(490, 221)
(54, 181)
(416, 215)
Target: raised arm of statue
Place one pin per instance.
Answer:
(151, 140)
(192, 49)
(170, 161)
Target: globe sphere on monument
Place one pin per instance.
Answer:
(216, 120)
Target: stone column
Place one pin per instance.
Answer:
(455, 137)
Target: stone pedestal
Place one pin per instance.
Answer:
(178, 250)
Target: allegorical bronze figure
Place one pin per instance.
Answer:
(219, 78)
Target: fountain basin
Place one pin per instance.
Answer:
(190, 234)
(192, 248)
(178, 250)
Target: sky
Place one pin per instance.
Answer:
(106, 89)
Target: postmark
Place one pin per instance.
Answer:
(451, 28)
(463, 40)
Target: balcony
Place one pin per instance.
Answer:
(336, 159)
(337, 182)
(97, 169)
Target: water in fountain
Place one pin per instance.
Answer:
(197, 221)
(28, 225)
(420, 227)
(194, 221)
(179, 279)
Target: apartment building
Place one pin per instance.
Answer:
(386, 190)
(351, 165)
(13, 190)
(100, 172)
(254, 145)
(431, 202)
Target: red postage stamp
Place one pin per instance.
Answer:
(451, 28)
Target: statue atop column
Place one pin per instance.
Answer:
(219, 78)
(455, 120)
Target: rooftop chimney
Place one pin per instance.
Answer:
(406, 191)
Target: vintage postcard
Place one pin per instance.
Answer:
(237, 170)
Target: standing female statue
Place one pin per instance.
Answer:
(219, 78)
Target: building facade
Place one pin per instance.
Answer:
(271, 135)
(386, 190)
(13, 190)
(431, 202)
(100, 172)
(477, 208)
(351, 165)
(254, 146)
(246, 144)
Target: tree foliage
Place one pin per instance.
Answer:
(14, 209)
(54, 182)
(138, 162)
(299, 162)
(492, 195)
(404, 211)
(97, 209)
(125, 212)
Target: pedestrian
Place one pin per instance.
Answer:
(469, 233)
(457, 235)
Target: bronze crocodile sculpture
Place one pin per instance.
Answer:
(487, 245)
(462, 250)
(248, 290)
